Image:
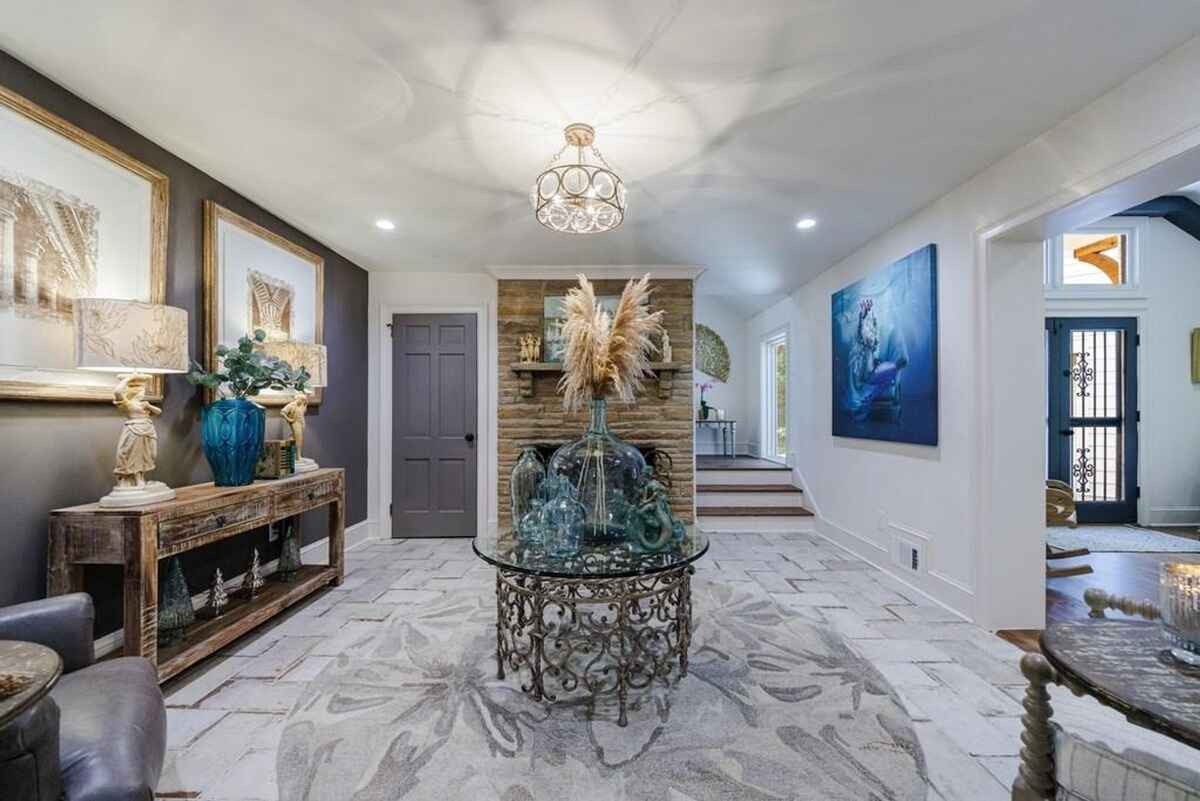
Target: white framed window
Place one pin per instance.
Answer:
(775, 396)
(1099, 260)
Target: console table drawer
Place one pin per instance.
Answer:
(182, 533)
(307, 497)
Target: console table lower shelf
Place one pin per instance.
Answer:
(242, 615)
(138, 538)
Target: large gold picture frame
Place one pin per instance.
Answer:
(158, 189)
(214, 215)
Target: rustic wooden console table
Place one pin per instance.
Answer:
(138, 537)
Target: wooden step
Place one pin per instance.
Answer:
(753, 511)
(747, 488)
(737, 463)
(749, 499)
(746, 525)
(743, 477)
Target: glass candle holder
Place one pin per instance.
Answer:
(1179, 597)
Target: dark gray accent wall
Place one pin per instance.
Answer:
(61, 454)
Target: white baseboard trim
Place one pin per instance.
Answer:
(1182, 516)
(314, 552)
(810, 500)
(878, 556)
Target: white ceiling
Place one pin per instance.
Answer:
(729, 120)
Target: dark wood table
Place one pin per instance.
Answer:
(40, 663)
(1125, 665)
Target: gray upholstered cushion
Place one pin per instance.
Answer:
(1086, 770)
(29, 755)
(114, 731)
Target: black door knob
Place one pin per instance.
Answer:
(469, 437)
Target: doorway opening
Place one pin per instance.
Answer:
(1092, 434)
(775, 397)
(434, 447)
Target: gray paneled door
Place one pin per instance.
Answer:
(434, 425)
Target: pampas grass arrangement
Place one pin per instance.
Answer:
(607, 355)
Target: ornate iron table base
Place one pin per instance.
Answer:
(593, 636)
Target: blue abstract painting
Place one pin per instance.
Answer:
(885, 353)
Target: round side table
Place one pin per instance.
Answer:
(1125, 664)
(42, 665)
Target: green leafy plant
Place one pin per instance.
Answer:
(245, 371)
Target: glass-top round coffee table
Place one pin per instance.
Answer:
(604, 622)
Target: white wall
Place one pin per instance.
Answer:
(954, 497)
(1170, 402)
(433, 291)
(1165, 303)
(734, 395)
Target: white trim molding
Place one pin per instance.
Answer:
(487, 404)
(880, 558)
(516, 272)
(314, 553)
(1146, 173)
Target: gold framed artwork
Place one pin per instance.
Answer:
(255, 278)
(78, 218)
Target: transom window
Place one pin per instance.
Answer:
(1096, 259)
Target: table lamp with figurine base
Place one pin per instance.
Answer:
(134, 340)
(313, 359)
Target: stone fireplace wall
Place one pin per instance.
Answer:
(664, 423)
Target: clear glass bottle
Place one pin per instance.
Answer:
(606, 473)
(523, 483)
(562, 519)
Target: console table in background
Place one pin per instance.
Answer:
(138, 537)
(728, 434)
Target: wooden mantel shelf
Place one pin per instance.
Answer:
(526, 371)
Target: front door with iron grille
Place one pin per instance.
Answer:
(1092, 420)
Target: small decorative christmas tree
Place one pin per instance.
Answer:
(174, 605)
(289, 553)
(218, 598)
(253, 582)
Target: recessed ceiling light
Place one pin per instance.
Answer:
(385, 225)
(805, 223)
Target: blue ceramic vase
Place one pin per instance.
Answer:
(232, 431)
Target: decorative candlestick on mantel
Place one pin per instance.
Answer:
(133, 339)
(312, 358)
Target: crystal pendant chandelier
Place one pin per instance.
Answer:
(579, 197)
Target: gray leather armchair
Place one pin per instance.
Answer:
(101, 734)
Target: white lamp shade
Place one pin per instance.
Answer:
(300, 354)
(121, 336)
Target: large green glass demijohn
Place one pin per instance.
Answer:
(606, 473)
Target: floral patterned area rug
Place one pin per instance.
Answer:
(774, 707)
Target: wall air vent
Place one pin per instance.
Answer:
(908, 554)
